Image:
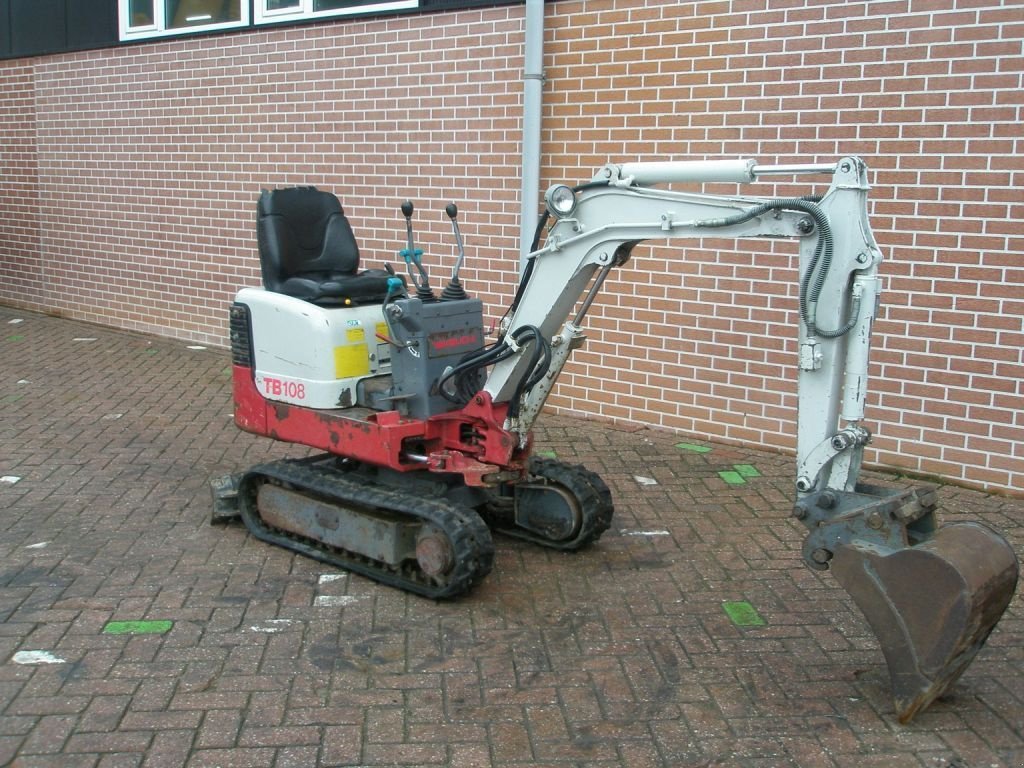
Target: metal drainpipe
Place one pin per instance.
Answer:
(533, 95)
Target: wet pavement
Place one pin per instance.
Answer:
(133, 632)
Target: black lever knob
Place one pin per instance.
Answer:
(451, 210)
(407, 209)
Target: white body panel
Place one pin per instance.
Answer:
(313, 356)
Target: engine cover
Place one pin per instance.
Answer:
(309, 355)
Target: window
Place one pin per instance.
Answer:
(159, 18)
(154, 18)
(282, 10)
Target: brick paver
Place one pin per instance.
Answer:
(621, 655)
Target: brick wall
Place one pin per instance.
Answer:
(141, 166)
(21, 274)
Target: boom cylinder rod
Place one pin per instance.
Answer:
(739, 171)
(855, 385)
(592, 294)
(790, 170)
(646, 174)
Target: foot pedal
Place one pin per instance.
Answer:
(931, 606)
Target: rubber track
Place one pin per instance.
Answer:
(466, 531)
(586, 487)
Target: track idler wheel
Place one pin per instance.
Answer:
(931, 606)
(562, 506)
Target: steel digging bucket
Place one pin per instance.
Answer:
(931, 594)
(931, 606)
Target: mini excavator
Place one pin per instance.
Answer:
(423, 429)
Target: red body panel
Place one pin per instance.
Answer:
(469, 441)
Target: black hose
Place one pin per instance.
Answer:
(540, 361)
(465, 381)
(813, 279)
(465, 372)
(535, 243)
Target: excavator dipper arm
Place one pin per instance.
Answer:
(931, 594)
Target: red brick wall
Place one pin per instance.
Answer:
(20, 253)
(150, 158)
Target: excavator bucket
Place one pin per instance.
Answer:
(931, 605)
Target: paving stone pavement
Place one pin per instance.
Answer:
(621, 655)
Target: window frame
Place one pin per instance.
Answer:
(304, 11)
(159, 28)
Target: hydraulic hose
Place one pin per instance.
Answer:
(813, 280)
(540, 360)
(466, 382)
(468, 365)
(541, 223)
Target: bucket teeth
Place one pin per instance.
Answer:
(931, 606)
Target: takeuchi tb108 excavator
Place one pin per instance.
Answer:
(424, 428)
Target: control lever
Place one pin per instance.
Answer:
(412, 255)
(454, 291)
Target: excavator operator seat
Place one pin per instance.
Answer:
(307, 250)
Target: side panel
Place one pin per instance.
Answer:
(360, 439)
(470, 442)
(250, 408)
(313, 356)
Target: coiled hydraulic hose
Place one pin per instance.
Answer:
(464, 373)
(813, 279)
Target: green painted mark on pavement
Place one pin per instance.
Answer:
(743, 614)
(739, 473)
(693, 447)
(732, 478)
(548, 453)
(137, 627)
(16, 338)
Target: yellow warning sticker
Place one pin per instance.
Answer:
(351, 360)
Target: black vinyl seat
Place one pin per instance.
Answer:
(308, 250)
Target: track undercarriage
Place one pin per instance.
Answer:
(427, 535)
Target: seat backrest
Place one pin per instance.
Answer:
(303, 230)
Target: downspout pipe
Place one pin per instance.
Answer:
(533, 96)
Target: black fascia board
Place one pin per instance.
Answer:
(44, 27)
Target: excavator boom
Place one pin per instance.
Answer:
(931, 594)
